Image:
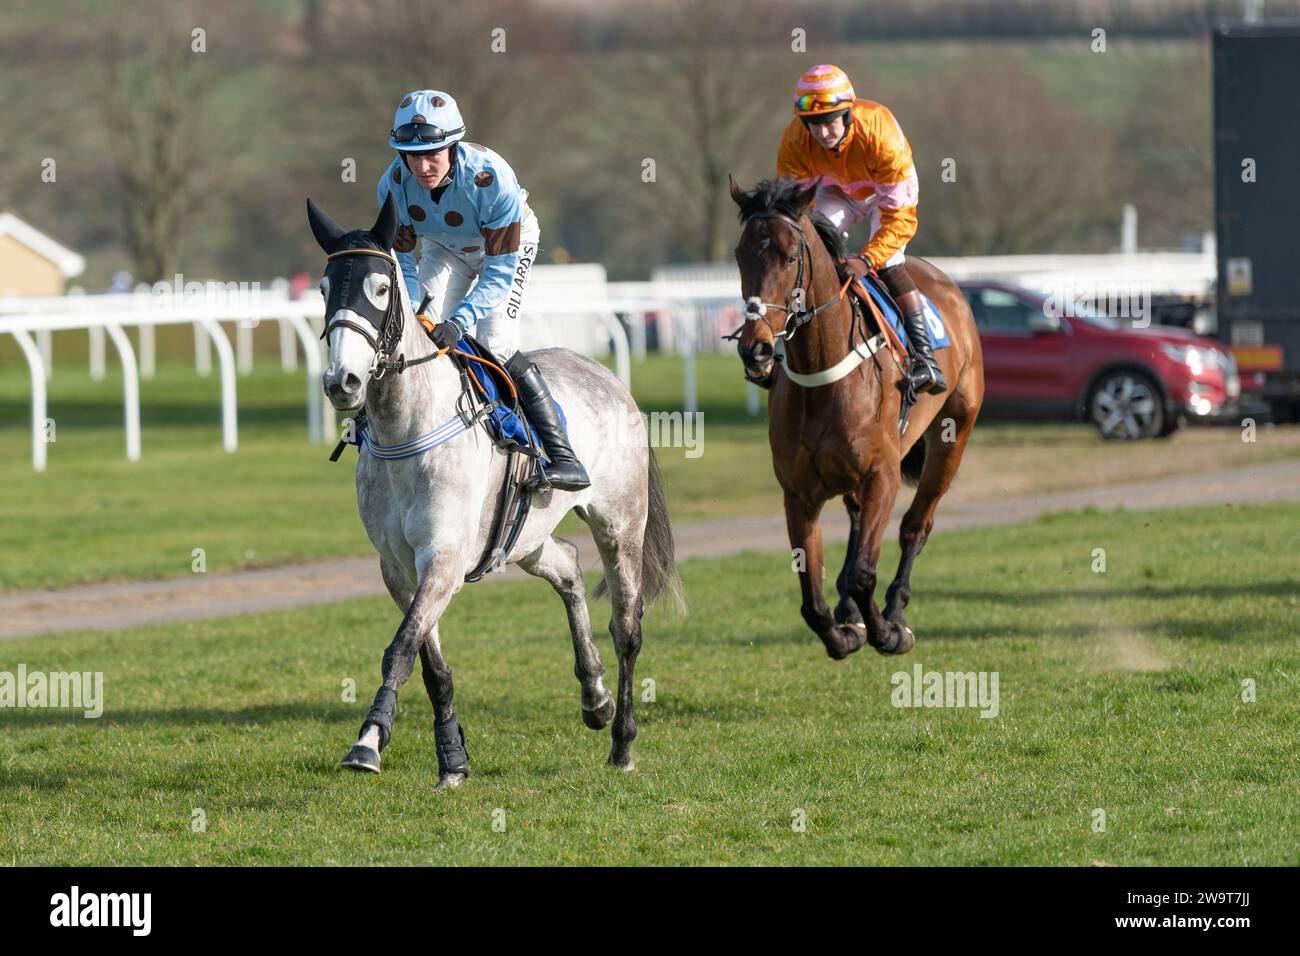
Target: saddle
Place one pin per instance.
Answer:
(485, 381)
(488, 397)
(867, 302)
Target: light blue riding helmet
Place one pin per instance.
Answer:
(426, 120)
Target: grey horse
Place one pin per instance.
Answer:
(429, 513)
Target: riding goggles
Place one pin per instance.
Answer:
(822, 101)
(423, 132)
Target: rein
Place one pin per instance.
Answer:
(390, 331)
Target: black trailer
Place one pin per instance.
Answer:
(1257, 203)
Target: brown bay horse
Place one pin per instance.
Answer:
(837, 435)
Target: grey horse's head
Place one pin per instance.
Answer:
(363, 302)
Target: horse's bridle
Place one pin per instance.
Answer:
(756, 309)
(390, 330)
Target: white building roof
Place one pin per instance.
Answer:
(70, 264)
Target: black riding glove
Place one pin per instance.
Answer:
(446, 334)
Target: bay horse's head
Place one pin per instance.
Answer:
(363, 301)
(776, 266)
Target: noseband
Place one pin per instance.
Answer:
(390, 330)
(756, 309)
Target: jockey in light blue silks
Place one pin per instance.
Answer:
(461, 205)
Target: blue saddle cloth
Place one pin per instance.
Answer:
(505, 424)
(933, 321)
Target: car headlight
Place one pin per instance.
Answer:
(1189, 355)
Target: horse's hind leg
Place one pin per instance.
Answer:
(620, 550)
(556, 562)
(941, 461)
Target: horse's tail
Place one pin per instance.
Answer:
(913, 462)
(658, 558)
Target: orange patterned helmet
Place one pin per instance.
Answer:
(823, 89)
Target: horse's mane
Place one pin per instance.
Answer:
(781, 195)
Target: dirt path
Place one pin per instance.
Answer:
(118, 606)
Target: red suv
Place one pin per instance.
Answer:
(1129, 382)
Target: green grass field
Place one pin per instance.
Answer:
(1119, 691)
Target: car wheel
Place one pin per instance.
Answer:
(1126, 406)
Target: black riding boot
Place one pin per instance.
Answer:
(925, 374)
(565, 471)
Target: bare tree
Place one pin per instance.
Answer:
(476, 51)
(155, 94)
(1003, 167)
(706, 99)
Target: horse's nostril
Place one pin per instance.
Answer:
(761, 352)
(351, 383)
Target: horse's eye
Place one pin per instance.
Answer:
(791, 260)
(382, 290)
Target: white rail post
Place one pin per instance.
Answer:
(288, 348)
(319, 429)
(202, 351)
(690, 403)
(130, 389)
(148, 352)
(244, 344)
(45, 341)
(618, 335)
(96, 353)
(229, 426)
(751, 398)
(36, 366)
(638, 335)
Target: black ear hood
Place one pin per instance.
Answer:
(326, 230)
(385, 228)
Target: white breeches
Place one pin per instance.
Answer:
(844, 212)
(449, 276)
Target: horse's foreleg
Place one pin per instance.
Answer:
(449, 739)
(805, 532)
(879, 489)
(846, 611)
(556, 562)
(431, 597)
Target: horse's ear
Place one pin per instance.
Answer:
(385, 227)
(325, 229)
(804, 199)
(738, 195)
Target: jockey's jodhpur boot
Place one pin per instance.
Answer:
(564, 471)
(925, 374)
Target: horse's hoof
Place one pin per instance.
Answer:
(361, 758)
(625, 764)
(599, 718)
(843, 640)
(848, 614)
(449, 781)
(904, 640)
